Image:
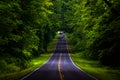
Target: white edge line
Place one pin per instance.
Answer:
(80, 68)
(76, 65)
(39, 66)
(35, 69)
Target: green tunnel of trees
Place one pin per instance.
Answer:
(27, 26)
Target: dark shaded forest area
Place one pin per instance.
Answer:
(96, 29)
(27, 27)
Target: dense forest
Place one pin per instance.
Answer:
(95, 28)
(27, 27)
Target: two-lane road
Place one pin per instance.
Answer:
(59, 66)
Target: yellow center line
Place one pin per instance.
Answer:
(59, 67)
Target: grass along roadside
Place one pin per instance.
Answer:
(95, 69)
(19, 74)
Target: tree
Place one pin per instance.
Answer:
(94, 23)
(26, 29)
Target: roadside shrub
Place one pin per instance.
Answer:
(8, 68)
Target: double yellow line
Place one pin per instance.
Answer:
(59, 67)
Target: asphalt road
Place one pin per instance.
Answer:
(59, 66)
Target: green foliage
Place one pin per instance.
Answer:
(95, 29)
(28, 26)
(17, 75)
(109, 48)
(7, 67)
(26, 29)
